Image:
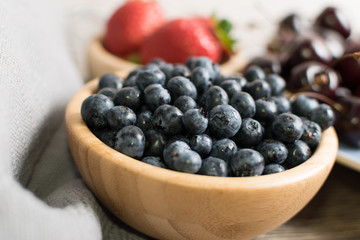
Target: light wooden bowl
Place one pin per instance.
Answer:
(102, 61)
(166, 204)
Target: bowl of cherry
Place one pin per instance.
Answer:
(197, 154)
(321, 58)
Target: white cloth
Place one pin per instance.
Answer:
(43, 62)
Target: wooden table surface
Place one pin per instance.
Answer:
(333, 214)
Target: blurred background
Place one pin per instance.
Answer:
(253, 21)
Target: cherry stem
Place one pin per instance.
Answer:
(321, 79)
(354, 55)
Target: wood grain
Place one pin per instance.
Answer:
(101, 61)
(333, 214)
(166, 204)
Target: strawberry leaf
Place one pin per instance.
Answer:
(222, 31)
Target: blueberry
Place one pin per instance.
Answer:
(150, 66)
(167, 70)
(155, 161)
(273, 168)
(224, 149)
(130, 82)
(218, 79)
(157, 61)
(251, 133)
(149, 76)
(277, 84)
(244, 103)
(214, 96)
(178, 156)
(247, 162)
(205, 62)
(213, 166)
(129, 97)
(130, 140)
(94, 110)
(303, 105)
(231, 87)
(238, 78)
(273, 151)
(106, 135)
(200, 77)
(178, 137)
(282, 103)
(258, 89)
(312, 133)
(194, 121)
(167, 119)
(144, 120)
(120, 116)
(323, 115)
(265, 111)
(224, 121)
(185, 103)
(253, 73)
(299, 152)
(109, 80)
(133, 73)
(287, 127)
(109, 92)
(201, 143)
(180, 70)
(155, 95)
(154, 143)
(179, 86)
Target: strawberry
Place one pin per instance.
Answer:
(181, 38)
(130, 24)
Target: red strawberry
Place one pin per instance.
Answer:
(182, 38)
(130, 24)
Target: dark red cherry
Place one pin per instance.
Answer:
(357, 93)
(289, 28)
(341, 92)
(333, 18)
(348, 121)
(309, 48)
(334, 41)
(314, 76)
(293, 22)
(349, 66)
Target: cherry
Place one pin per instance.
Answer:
(358, 91)
(289, 29)
(348, 122)
(334, 41)
(293, 22)
(333, 18)
(349, 67)
(314, 76)
(309, 48)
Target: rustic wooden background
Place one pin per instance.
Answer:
(333, 214)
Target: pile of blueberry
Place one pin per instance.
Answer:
(191, 118)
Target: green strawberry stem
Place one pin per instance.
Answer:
(133, 57)
(222, 30)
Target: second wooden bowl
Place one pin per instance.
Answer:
(102, 61)
(166, 204)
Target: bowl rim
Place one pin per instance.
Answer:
(323, 158)
(236, 62)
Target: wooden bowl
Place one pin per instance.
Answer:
(166, 204)
(102, 61)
